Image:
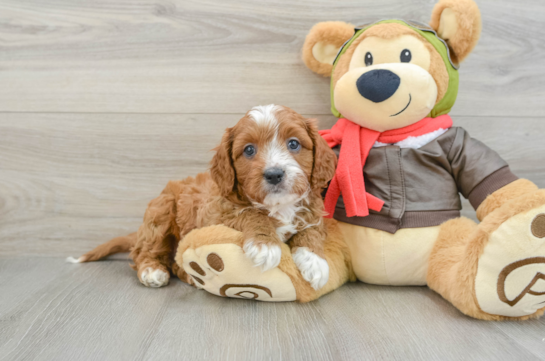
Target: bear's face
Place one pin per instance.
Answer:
(390, 76)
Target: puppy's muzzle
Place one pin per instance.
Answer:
(273, 175)
(378, 85)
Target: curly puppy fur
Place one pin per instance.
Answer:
(236, 194)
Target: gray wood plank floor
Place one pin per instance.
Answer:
(103, 101)
(99, 311)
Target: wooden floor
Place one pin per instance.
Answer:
(103, 101)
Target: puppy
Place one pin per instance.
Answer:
(265, 180)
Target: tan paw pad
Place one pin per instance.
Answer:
(224, 270)
(511, 271)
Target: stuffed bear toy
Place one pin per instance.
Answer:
(398, 221)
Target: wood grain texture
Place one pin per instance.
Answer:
(181, 56)
(102, 102)
(72, 181)
(99, 311)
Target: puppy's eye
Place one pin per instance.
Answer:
(406, 56)
(368, 59)
(294, 145)
(249, 151)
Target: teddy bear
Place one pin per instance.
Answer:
(393, 84)
(397, 222)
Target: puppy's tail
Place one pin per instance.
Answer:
(116, 245)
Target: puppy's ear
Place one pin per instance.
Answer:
(458, 22)
(325, 160)
(221, 167)
(322, 44)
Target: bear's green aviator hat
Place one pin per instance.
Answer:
(446, 104)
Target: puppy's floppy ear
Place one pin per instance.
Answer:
(458, 22)
(325, 160)
(221, 167)
(323, 43)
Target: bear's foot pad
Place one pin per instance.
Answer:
(225, 270)
(511, 271)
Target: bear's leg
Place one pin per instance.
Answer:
(496, 270)
(446, 274)
(214, 260)
(510, 246)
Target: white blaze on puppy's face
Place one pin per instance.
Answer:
(264, 115)
(275, 155)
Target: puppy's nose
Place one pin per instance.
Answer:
(378, 85)
(273, 175)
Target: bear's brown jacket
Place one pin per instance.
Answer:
(421, 187)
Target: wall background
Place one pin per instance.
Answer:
(102, 102)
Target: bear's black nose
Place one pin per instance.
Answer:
(274, 175)
(378, 85)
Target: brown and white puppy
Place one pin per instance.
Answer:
(265, 180)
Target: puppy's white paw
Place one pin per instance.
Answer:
(74, 260)
(314, 268)
(265, 256)
(154, 277)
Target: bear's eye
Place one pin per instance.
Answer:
(368, 59)
(406, 56)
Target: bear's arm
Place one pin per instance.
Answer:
(481, 175)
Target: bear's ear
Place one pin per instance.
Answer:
(458, 22)
(323, 43)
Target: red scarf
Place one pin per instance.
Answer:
(356, 143)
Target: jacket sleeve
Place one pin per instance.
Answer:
(478, 170)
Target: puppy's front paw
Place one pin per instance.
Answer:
(266, 256)
(154, 277)
(314, 268)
